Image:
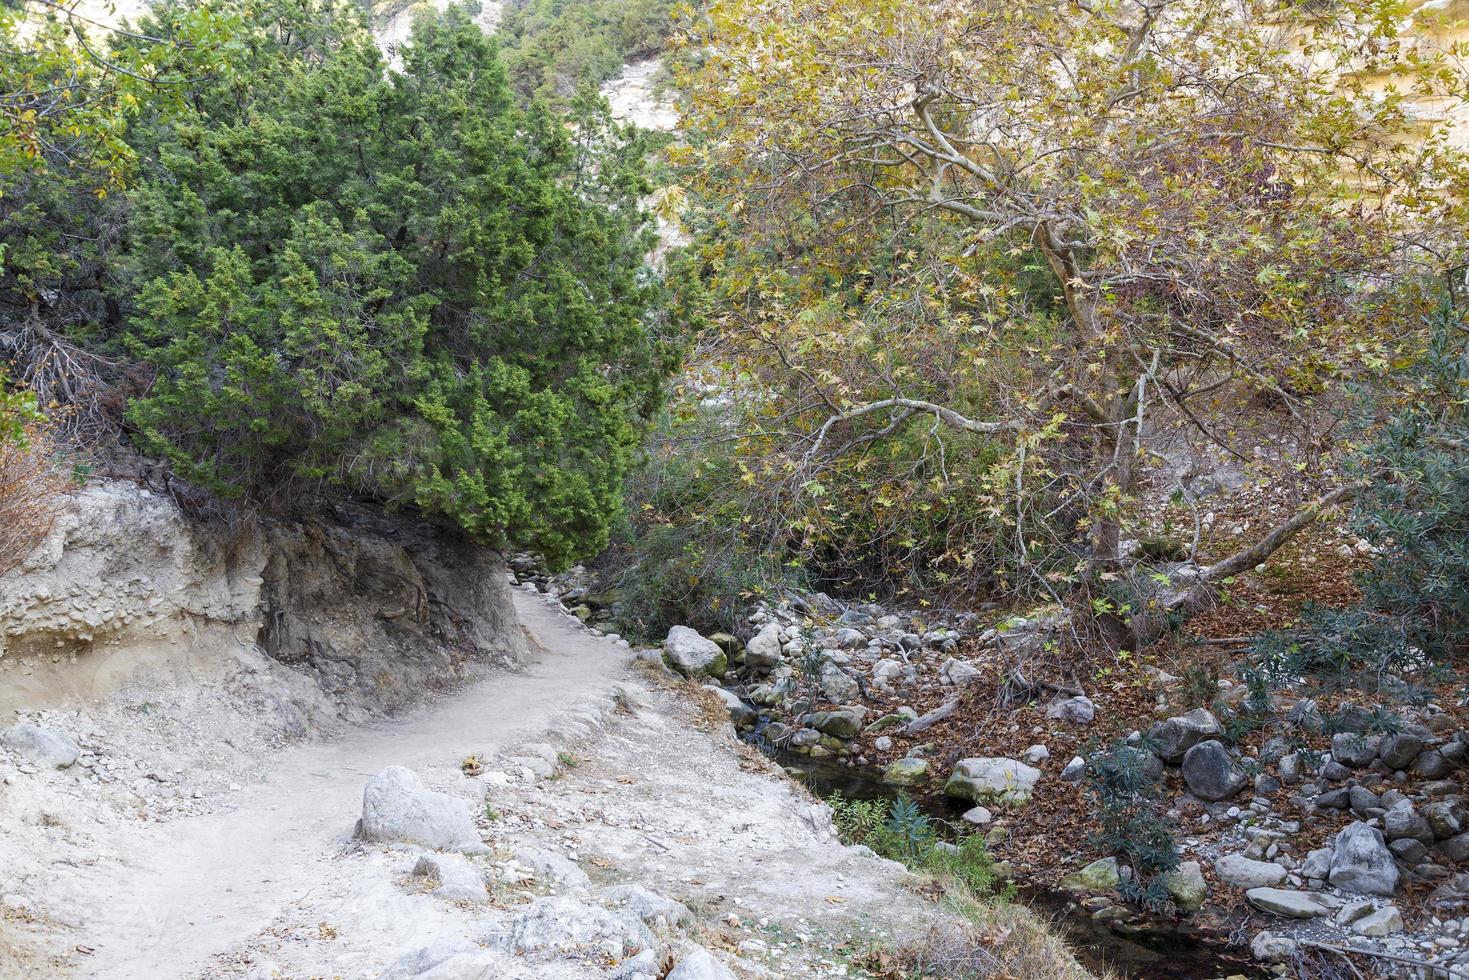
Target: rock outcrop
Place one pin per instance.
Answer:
(370, 610)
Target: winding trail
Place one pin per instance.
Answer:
(193, 887)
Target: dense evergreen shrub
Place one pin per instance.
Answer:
(398, 284)
(1414, 510)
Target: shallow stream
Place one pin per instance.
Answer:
(1160, 948)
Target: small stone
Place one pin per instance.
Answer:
(1270, 948)
(979, 816)
(1035, 755)
(700, 965)
(1074, 771)
(1078, 710)
(1383, 922)
(1099, 876)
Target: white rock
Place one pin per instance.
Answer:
(700, 965)
(1383, 922)
(396, 807)
(1035, 754)
(40, 745)
(421, 960)
(457, 880)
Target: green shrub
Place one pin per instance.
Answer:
(899, 830)
(1127, 795)
(1414, 509)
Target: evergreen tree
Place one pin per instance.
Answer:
(397, 283)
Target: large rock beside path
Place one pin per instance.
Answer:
(764, 649)
(693, 655)
(41, 745)
(396, 808)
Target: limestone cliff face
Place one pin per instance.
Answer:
(355, 612)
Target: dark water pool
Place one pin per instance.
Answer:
(1159, 949)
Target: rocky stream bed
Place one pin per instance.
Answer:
(1332, 835)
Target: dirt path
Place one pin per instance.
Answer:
(191, 888)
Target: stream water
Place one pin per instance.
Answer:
(1154, 948)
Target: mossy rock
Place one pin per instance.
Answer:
(1099, 876)
(906, 772)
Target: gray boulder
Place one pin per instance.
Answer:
(557, 924)
(1408, 850)
(1431, 764)
(1402, 821)
(1361, 862)
(838, 685)
(764, 649)
(1456, 848)
(693, 655)
(1241, 872)
(653, 909)
(1187, 886)
(40, 745)
(844, 723)
(1448, 818)
(1075, 770)
(960, 672)
(1383, 922)
(1211, 772)
(906, 772)
(1270, 948)
(1293, 904)
(1353, 750)
(396, 807)
(1317, 864)
(1399, 751)
(1179, 734)
(985, 780)
(740, 713)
